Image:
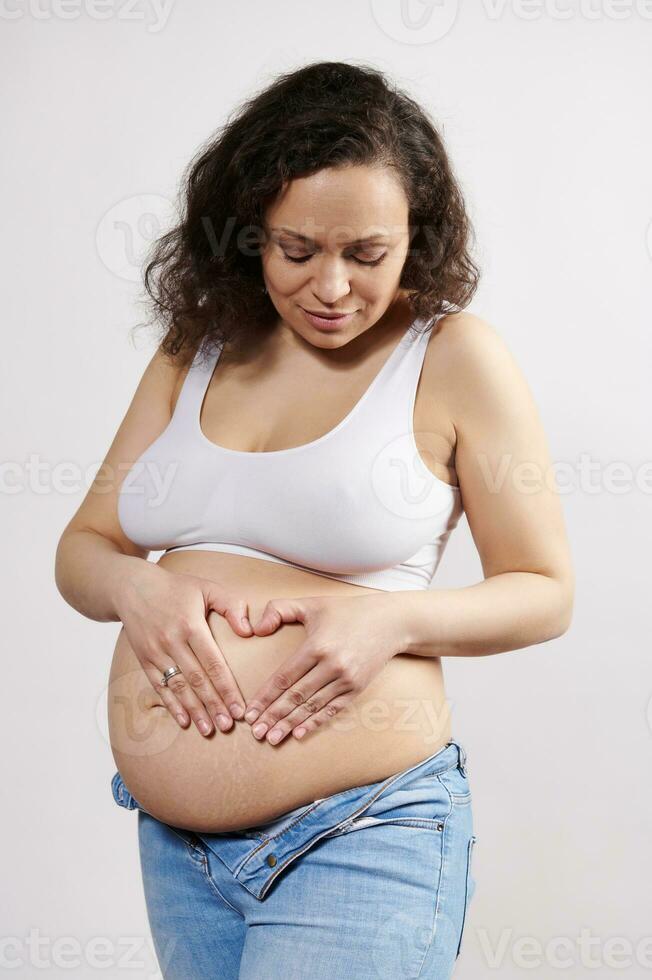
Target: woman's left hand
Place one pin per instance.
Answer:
(349, 640)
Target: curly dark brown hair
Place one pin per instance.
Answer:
(204, 277)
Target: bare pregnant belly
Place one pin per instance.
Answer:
(231, 781)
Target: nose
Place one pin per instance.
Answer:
(330, 281)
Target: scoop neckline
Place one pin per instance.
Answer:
(306, 445)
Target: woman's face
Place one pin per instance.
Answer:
(336, 242)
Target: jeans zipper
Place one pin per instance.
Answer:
(339, 826)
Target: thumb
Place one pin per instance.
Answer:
(280, 611)
(235, 611)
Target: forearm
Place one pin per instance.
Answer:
(504, 612)
(89, 573)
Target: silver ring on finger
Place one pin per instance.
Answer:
(170, 672)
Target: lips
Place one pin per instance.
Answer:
(329, 322)
(328, 316)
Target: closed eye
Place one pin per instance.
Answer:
(304, 258)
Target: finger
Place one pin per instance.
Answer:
(277, 612)
(183, 685)
(235, 611)
(187, 704)
(304, 712)
(280, 681)
(195, 684)
(304, 688)
(220, 693)
(169, 699)
(323, 716)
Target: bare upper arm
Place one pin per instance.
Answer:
(148, 414)
(502, 458)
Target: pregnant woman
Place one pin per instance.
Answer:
(317, 416)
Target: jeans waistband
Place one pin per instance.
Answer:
(256, 864)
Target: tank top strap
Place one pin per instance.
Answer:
(194, 386)
(389, 411)
(404, 368)
(397, 378)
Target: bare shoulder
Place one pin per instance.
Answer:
(502, 456)
(165, 374)
(164, 377)
(467, 340)
(475, 369)
(147, 415)
(465, 326)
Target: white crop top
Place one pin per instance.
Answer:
(357, 504)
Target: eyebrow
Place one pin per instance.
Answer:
(310, 241)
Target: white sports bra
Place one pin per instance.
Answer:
(357, 504)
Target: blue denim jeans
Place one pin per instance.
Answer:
(372, 882)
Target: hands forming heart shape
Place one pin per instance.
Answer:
(348, 641)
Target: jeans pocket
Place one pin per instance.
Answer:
(422, 804)
(469, 889)
(422, 823)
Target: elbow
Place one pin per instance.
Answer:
(562, 623)
(61, 567)
(562, 611)
(58, 570)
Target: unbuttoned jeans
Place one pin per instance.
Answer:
(372, 882)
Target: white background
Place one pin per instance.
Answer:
(545, 111)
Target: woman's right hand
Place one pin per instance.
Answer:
(164, 615)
